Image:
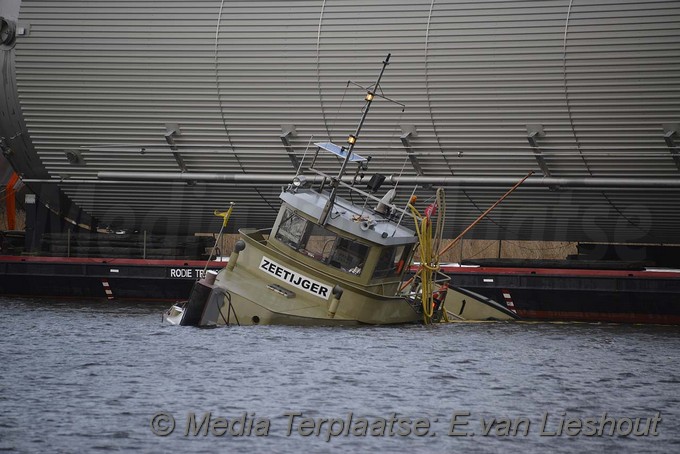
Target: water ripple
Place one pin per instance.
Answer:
(89, 377)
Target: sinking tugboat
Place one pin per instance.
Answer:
(304, 273)
(326, 260)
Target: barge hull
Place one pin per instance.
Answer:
(100, 278)
(616, 296)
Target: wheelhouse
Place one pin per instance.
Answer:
(366, 247)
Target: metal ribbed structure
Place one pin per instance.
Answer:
(597, 81)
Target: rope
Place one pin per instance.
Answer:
(416, 217)
(428, 243)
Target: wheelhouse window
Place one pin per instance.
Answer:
(292, 229)
(321, 244)
(392, 261)
(349, 256)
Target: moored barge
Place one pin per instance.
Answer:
(567, 290)
(101, 278)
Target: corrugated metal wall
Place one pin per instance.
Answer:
(600, 77)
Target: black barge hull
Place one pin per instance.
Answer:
(588, 295)
(100, 278)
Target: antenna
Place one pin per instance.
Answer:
(351, 140)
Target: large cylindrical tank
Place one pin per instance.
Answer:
(565, 88)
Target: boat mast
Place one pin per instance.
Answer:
(335, 182)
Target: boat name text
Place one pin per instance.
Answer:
(291, 277)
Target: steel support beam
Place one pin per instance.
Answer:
(259, 178)
(671, 131)
(171, 131)
(534, 131)
(288, 131)
(408, 132)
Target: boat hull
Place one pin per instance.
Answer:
(248, 312)
(256, 293)
(270, 308)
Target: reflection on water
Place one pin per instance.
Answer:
(80, 377)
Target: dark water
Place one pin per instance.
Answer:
(80, 377)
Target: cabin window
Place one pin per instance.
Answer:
(349, 256)
(292, 229)
(318, 243)
(392, 261)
